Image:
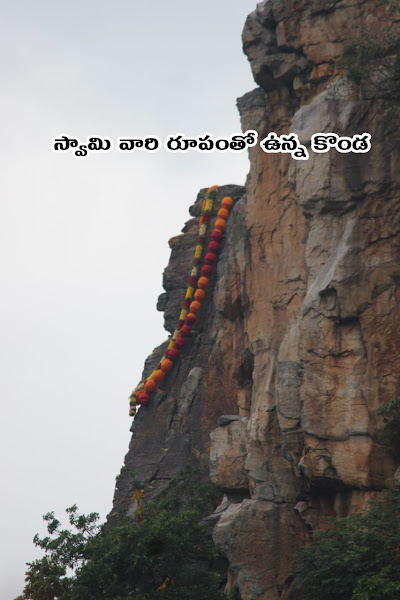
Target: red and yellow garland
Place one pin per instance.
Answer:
(191, 307)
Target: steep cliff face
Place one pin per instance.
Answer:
(277, 396)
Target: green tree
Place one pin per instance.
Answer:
(168, 555)
(48, 577)
(357, 558)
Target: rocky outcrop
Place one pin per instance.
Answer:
(259, 538)
(228, 453)
(175, 427)
(298, 344)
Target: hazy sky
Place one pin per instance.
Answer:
(84, 241)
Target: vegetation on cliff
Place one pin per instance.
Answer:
(373, 61)
(167, 555)
(356, 558)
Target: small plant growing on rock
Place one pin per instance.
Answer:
(390, 413)
(122, 472)
(373, 62)
(390, 435)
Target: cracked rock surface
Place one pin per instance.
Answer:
(298, 343)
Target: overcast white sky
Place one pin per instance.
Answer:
(84, 241)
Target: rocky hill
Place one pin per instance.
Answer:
(298, 344)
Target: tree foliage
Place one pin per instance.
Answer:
(389, 436)
(47, 578)
(167, 556)
(357, 558)
(390, 413)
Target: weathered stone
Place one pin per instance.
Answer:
(396, 476)
(253, 112)
(259, 539)
(288, 381)
(298, 336)
(227, 455)
(211, 520)
(173, 429)
(162, 302)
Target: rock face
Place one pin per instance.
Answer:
(259, 537)
(298, 344)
